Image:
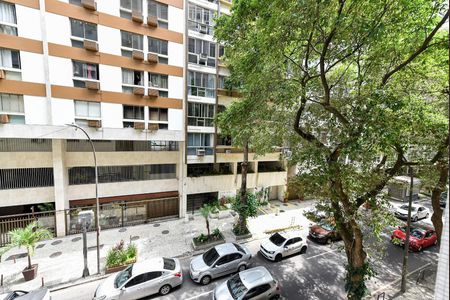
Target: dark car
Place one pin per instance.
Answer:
(324, 232)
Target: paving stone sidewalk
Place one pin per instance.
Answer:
(60, 260)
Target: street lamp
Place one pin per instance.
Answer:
(97, 206)
(408, 229)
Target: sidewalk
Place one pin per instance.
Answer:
(61, 260)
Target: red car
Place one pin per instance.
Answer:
(419, 239)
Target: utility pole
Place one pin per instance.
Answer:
(97, 206)
(408, 230)
(86, 269)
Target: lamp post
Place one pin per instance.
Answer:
(408, 230)
(97, 206)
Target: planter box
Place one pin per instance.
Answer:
(30, 274)
(118, 268)
(208, 245)
(242, 237)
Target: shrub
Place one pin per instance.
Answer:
(216, 232)
(118, 255)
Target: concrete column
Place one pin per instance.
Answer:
(60, 178)
(182, 174)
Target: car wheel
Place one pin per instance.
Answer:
(303, 250)
(165, 289)
(415, 219)
(242, 268)
(276, 297)
(278, 258)
(205, 280)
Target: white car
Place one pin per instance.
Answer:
(417, 212)
(39, 294)
(141, 279)
(282, 244)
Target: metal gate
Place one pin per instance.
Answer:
(120, 214)
(8, 223)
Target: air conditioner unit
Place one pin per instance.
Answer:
(153, 127)
(139, 91)
(138, 55)
(152, 21)
(152, 58)
(90, 45)
(139, 125)
(153, 93)
(227, 151)
(200, 152)
(4, 119)
(203, 56)
(2, 74)
(136, 16)
(89, 4)
(203, 29)
(95, 123)
(92, 85)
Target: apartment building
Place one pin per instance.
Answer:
(144, 79)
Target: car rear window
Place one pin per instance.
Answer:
(277, 239)
(169, 263)
(236, 288)
(239, 248)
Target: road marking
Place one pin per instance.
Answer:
(334, 250)
(199, 295)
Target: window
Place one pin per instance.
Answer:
(201, 84)
(83, 70)
(202, 52)
(130, 79)
(8, 20)
(257, 291)
(130, 41)
(160, 47)
(235, 256)
(86, 175)
(160, 11)
(133, 112)
(221, 83)
(200, 19)
(10, 62)
(169, 263)
(25, 178)
(76, 2)
(159, 82)
(200, 114)
(12, 105)
(82, 30)
(127, 6)
(200, 141)
(116, 145)
(223, 260)
(86, 110)
(159, 116)
(136, 280)
(221, 50)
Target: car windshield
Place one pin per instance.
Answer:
(326, 226)
(417, 233)
(239, 248)
(236, 287)
(405, 207)
(169, 263)
(277, 239)
(123, 276)
(210, 256)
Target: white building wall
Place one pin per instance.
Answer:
(26, 196)
(441, 291)
(62, 105)
(112, 115)
(175, 52)
(109, 7)
(28, 22)
(109, 40)
(110, 78)
(35, 110)
(176, 87)
(176, 119)
(126, 158)
(176, 19)
(60, 71)
(58, 29)
(32, 66)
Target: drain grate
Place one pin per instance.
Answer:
(135, 238)
(156, 225)
(56, 242)
(165, 232)
(55, 254)
(122, 229)
(17, 256)
(40, 246)
(76, 239)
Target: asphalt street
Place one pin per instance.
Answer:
(317, 274)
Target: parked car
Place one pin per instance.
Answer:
(417, 212)
(255, 283)
(141, 279)
(282, 244)
(39, 294)
(324, 232)
(218, 261)
(420, 238)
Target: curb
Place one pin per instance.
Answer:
(66, 286)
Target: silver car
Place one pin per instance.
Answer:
(39, 294)
(256, 284)
(141, 279)
(219, 261)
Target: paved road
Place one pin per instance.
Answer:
(317, 274)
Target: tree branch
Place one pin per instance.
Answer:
(421, 49)
(307, 136)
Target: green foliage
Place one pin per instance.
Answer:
(358, 290)
(216, 232)
(237, 230)
(120, 255)
(203, 238)
(28, 237)
(250, 210)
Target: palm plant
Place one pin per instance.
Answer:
(28, 237)
(205, 211)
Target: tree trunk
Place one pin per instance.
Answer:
(207, 226)
(29, 258)
(243, 191)
(436, 218)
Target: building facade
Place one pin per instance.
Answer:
(144, 79)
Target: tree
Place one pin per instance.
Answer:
(341, 83)
(28, 237)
